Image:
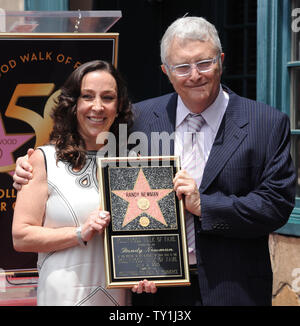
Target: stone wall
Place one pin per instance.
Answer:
(12, 5)
(285, 257)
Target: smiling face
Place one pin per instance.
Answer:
(96, 106)
(197, 90)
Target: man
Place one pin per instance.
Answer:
(242, 185)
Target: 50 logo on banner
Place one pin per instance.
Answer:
(41, 125)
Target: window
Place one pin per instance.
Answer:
(294, 66)
(238, 29)
(278, 76)
(294, 73)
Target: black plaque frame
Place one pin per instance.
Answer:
(145, 246)
(33, 67)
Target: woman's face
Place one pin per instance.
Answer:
(96, 106)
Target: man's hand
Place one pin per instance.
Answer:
(23, 172)
(186, 189)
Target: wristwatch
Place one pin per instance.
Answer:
(79, 237)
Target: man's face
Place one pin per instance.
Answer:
(197, 90)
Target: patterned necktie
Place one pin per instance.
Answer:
(191, 163)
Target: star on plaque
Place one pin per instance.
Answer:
(143, 199)
(9, 143)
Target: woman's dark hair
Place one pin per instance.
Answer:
(69, 144)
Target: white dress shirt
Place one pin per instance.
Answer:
(213, 116)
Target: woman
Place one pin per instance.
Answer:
(64, 223)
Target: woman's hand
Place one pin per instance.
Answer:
(96, 223)
(144, 286)
(186, 189)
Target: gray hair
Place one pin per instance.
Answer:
(193, 28)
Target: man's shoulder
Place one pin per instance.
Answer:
(154, 101)
(150, 109)
(254, 107)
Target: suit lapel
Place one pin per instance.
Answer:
(164, 122)
(230, 135)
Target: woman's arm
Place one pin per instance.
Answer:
(28, 231)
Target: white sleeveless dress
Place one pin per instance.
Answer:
(74, 276)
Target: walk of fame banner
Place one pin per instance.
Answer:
(146, 238)
(32, 69)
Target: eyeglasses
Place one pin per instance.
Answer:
(185, 69)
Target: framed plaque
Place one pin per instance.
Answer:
(33, 67)
(146, 238)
